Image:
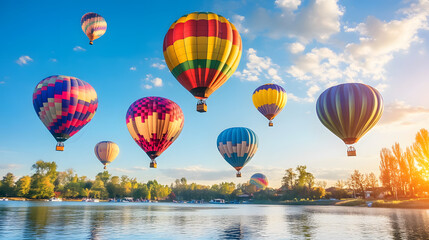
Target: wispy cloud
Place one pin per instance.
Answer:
(195, 173)
(2, 82)
(257, 67)
(10, 166)
(79, 49)
(401, 113)
(149, 82)
(133, 68)
(53, 60)
(122, 170)
(24, 60)
(238, 21)
(160, 66)
(140, 168)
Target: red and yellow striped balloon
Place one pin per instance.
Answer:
(93, 25)
(202, 50)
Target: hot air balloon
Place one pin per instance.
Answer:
(259, 180)
(93, 25)
(65, 105)
(349, 111)
(202, 50)
(269, 99)
(106, 152)
(237, 146)
(154, 123)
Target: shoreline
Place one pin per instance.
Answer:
(400, 204)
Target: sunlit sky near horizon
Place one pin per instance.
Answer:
(305, 46)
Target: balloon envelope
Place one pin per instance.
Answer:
(259, 180)
(93, 25)
(64, 104)
(349, 110)
(237, 146)
(202, 50)
(106, 152)
(154, 123)
(270, 100)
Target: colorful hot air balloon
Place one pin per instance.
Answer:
(259, 180)
(349, 111)
(202, 50)
(237, 146)
(154, 123)
(65, 105)
(269, 99)
(93, 25)
(106, 152)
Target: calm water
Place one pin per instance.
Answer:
(76, 220)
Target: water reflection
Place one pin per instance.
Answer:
(36, 220)
(301, 224)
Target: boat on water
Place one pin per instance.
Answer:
(217, 201)
(54, 199)
(4, 199)
(90, 200)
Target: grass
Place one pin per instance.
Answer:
(410, 203)
(351, 202)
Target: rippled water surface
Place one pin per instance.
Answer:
(76, 220)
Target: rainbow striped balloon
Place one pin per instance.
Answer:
(349, 110)
(106, 152)
(237, 146)
(202, 50)
(259, 180)
(93, 25)
(270, 100)
(154, 123)
(65, 105)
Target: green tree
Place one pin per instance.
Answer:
(8, 185)
(23, 186)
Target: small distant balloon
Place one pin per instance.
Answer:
(154, 123)
(93, 25)
(259, 180)
(65, 105)
(349, 111)
(106, 152)
(270, 100)
(237, 146)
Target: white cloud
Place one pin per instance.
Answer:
(366, 59)
(133, 68)
(400, 113)
(259, 66)
(319, 19)
(10, 166)
(53, 60)
(122, 170)
(160, 66)
(296, 47)
(140, 168)
(79, 49)
(24, 60)
(238, 21)
(312, 90)
(157, 82)
(149, 82)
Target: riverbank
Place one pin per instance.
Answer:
(410, 203)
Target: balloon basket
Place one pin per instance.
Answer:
(153, 165)
(270, 124)
(90, 43)
(238, 174)
(201, 107)
(105, 167)
(60, 146)
(351, 151)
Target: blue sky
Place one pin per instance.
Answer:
(303, 45)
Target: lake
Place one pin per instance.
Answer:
(80, 220)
